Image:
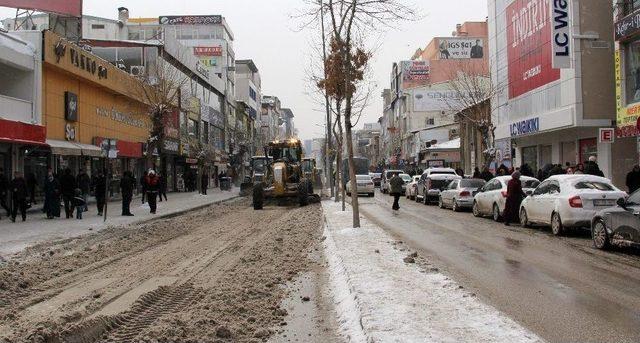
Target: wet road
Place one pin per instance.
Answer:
(563, 289)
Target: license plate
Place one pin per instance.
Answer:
(603, 202)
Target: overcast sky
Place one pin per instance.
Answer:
(265, 32)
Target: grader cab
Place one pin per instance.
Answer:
(284, 179)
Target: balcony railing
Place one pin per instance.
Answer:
(15, 109)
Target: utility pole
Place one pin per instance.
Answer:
(329, 168)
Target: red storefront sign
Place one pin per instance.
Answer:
(18, 132)
(207, 50)
(529, 46)
(125, 149)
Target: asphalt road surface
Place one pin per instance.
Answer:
(561, 288)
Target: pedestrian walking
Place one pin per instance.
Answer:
(4, 192)
(396, 183)
(162, 187)
(526, 170)
(633, 179)
(579, 169)
(204, 183)
(78, 203)
(476, 173)
(143, 188)
(68, 187)
(100, 191)
(51, 195)
(514, 199)
(486, 174)
(84, 183)
(127, 184)
(151, 185)
(591, 167)
(18, 188)
(459, 171)
(31, 186)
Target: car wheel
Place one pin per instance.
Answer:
(599, 234)
(524, 219)
(556, 224)
(455, 206)
(440, 203)
(475, 209)
(496, 213)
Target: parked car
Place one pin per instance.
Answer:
(618, 225)
(376, 177)
(386, 176)
(407, 179)
(445, 171)
(412, 187)
(364, 185)
(459, 194)
(431, 184)
(564, 201)
(490, 198)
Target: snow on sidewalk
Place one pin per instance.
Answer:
(379, 298)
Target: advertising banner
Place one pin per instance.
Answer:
(436, 100)
(627, 26)
(460, 48)
(626, 116)
(561, 37)
(529, 46)
(66, 7)
(415, 73)
(207, 50)
(190, 20)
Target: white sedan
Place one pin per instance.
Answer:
(563, 201)
(412, 187)
(490, 198)
(364, 185)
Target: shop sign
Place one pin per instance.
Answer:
(171, 132)
(70, 132)
(80, 59)
(561, 34)
(70, 106)
(184, 149)
(627, 26)
(415, 73)
(190, 20)
(169, 145)
(202, 70)
(529, 46)
(606, 135)
(435, 163)
(207, 50)
(121, 117)
(191, 160)
(525, 127)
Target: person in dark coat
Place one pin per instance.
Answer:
(84, 183)
(78, 203)
(591, 167)
(396, 183)
(502, 170)
(31, 186)
(459, 171)
(162, 187)
(51, 196)
(633, 179)
(204, 183)
(127, 185)
(100, 191)
(143, 185)
(18, 187)
(4, 191)
(476, 173)
(486, 174)
(152, 185)
(68, 187)
(526, 170)
(515, 194)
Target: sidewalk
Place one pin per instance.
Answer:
(19, 235)
(380, 297)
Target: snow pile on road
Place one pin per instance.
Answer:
(379, 298)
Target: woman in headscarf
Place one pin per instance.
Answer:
(514, 199)
(51, 195)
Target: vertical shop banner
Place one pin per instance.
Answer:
(415, 74)
(529, 46)
(561, 37)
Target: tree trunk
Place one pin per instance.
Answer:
(352, 167)
(340, 168)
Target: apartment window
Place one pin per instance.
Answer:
(97, 26)
(632, 71)
(205, 132)
(252, 93)
(430, 121)
(192, 127)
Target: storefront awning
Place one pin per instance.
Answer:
(22, 133)
(66, 148)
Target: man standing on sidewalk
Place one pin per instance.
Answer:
(151, 185)
(204, 183)
(51, 195)
(100, 191)
(396, 183)
(4, 189)
(18, 197)
(127, 184)
(68, 187)
(84, 183)
(143, 185)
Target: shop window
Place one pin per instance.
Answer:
(530, 157)
(108, 54)
(588, 148)
(130, 57)
(632, 71)
(134, 34)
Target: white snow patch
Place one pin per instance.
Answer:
(379, 298)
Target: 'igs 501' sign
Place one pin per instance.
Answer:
(561, 34)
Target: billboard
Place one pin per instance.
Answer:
(415, 73)
(189, 19)
(435, 100)
(529, 48)
(66, 7)
(460, 48)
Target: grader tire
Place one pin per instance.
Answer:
(258, 196)
(302, 194)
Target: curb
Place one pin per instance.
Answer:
(181, 212)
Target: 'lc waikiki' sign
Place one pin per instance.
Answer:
(525, 127)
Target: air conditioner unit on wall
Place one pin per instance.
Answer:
(136, 70)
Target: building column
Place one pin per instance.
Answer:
(604, 159)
